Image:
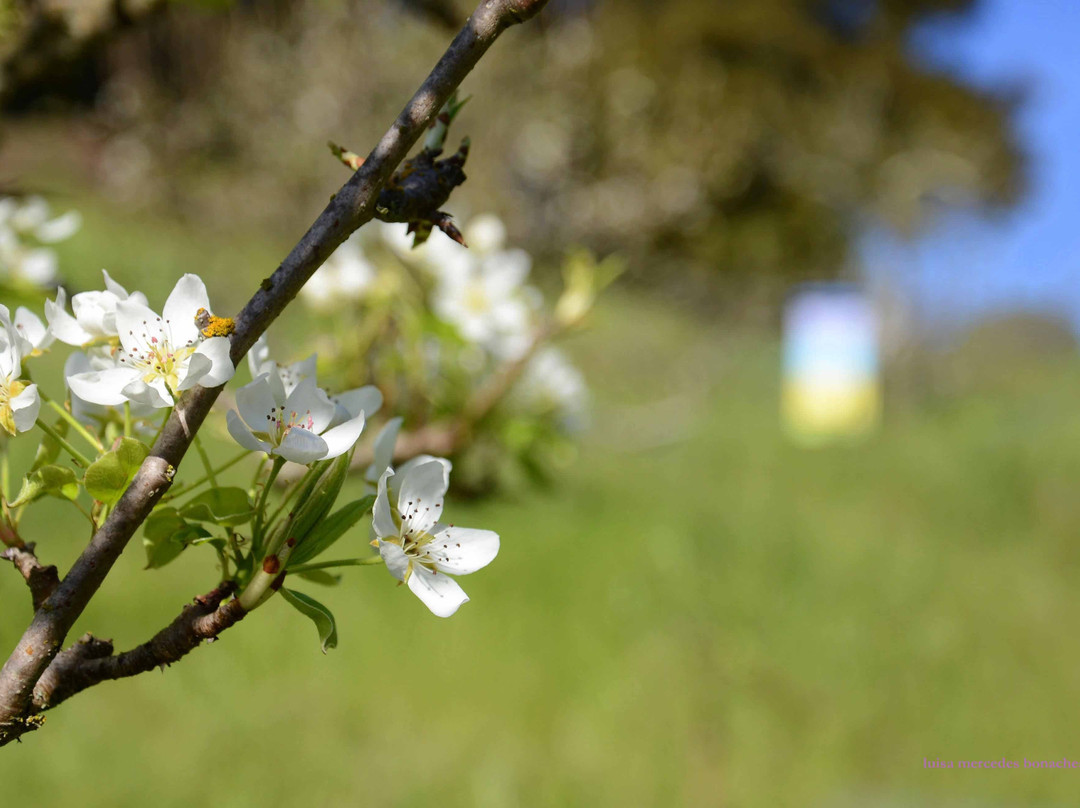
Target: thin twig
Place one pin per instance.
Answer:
(42, 579)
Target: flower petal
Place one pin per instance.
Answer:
(84, 411)
(194, 370)
(25, 408)
(461, 550)
(311, 403)
(258, 358)
(155, 394)
(341, 438)
(254, 401)
(421, 499)
(185, 300)
(112, 286)
(404, 469)
(103, 386)
(137, 325)
(292, 375)
(216, 349)
(394, 557)
(301, 446)
(383, 449)
(366, 399)
(382, 517)
(439, 592)
(63, 325)
(242, 435)
(31, 328)
(95, 312)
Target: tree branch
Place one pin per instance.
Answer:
(90, 660)
(350, 208)
(42, 579)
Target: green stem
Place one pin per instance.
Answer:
(180, 490)
(85, 513)
(5, 476)
(223, 559)
(294, 488)
(205, 461)
(78, 456)
(127, 420)
(73, 422)
(260, 507)
(258, 472)
(235, 548)
(342, 562)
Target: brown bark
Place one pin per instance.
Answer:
(90, 661)
(40, 578)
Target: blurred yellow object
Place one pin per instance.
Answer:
(831, 389)
(817, 413)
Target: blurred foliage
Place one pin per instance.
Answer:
(697, 136)
(702, 607)
(461, 345)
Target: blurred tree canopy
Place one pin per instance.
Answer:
(695, 136)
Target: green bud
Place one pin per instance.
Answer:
(315, 500)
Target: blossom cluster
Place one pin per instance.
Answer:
(131, 360)
(463, 320)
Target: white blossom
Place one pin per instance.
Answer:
(159, 356)
(95, 314)
(486, 300)
(19, 400)
(417, 548)
(347, 405)
(298, 425)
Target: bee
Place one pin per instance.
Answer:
(211, 326)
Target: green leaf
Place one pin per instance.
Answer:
(317, 613)
(132, 453)
(321, 577)
(48, 450)
(56, 480)
(324, 534)
(166, 534)
(222, 506)
(109, 476)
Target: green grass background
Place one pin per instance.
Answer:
(698, 613)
